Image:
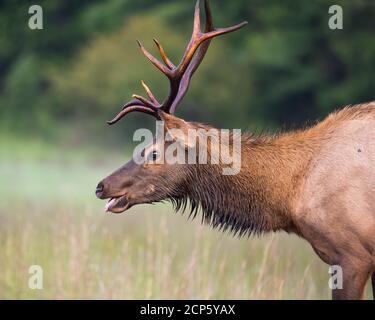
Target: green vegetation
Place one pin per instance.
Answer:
(284, 68)
(50, 217)
(59, 85)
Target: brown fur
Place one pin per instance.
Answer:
(264, 193)
(318, 183)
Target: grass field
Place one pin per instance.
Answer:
(50, 217)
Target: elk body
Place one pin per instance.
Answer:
(318, 183)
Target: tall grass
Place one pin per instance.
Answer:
(50, 217)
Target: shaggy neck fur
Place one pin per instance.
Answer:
(264, 195)
(261, 196)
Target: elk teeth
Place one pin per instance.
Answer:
(109, 204)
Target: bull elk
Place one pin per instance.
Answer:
(318, 183)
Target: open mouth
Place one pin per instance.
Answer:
(117, 204)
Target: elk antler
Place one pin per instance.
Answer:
(179, 76)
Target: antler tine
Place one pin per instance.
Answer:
(195, 53)
(220, 31)
(154, 61)
(209, 23)
(201, 51)
(179, 76)
(198, 37)
(149, 93)
(133, 105)
(203, 48)
(166, 60)
(197, 19)
(140, 104)
(197, 59)
(144, 101)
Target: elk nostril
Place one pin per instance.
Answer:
(99, 189)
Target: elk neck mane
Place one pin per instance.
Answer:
(262, 195)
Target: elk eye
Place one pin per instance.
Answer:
(153, 155)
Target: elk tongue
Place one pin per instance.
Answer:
(117, 204)
(110, 204)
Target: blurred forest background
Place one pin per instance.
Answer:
(59, 86)
(284, 68)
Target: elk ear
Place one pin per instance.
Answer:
(177, 128)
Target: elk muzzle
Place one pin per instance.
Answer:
(99, 190)
(117, 202)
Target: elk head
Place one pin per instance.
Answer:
(149, 181)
